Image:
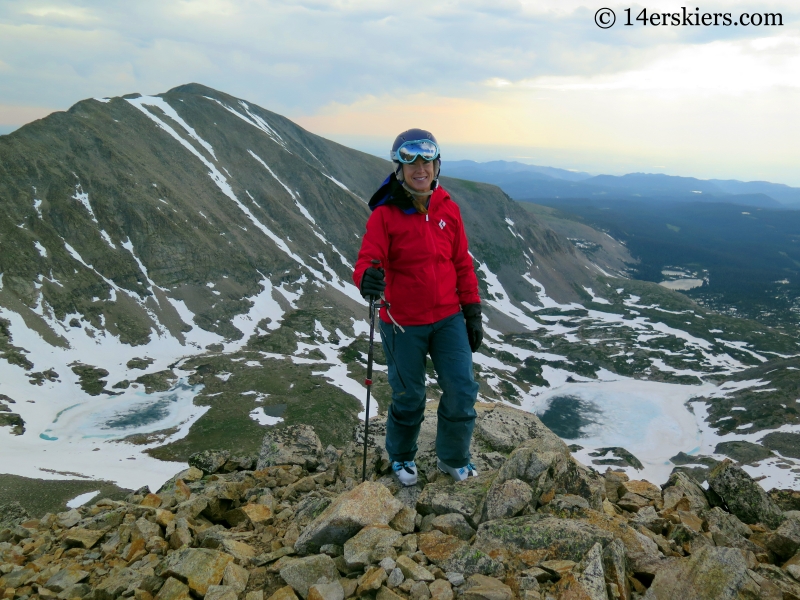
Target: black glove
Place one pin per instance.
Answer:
(472, 314)
(373, 283)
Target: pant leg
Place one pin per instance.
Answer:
(405, 357)
(452, 359)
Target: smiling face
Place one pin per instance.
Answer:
(419, 175)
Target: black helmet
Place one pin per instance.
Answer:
(409, 137)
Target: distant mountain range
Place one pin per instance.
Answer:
(531, 182)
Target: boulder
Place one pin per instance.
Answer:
(743, 496)
(507, 500)
(454, 555)
(236, 577)
(405, 520)
(209, 461)
(292, 445)
(785, 540)
(174, 590)
(82, 538)
(65, 579)
(721, 521)
(645, 489)
(587, 580)
(119, 582)
(775, 582)
(221, 592)
(12, 514)
(505, 428)
(198, 567)
(480, 587)
(463, 497)
(252, 514)
(68, 519)
(370, 545)
(302, 573)
(453, 524)
(615, 567)
(678, 486)
(567, 539)
(326, 591)
(285, 593)
(718, 573)
(368, 504)
(546, 465)
(371, 581)
(441, 590)
(412, 570)
(386, 593)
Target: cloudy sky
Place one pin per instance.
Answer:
(534, 81)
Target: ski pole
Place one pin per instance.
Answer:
(368, 380)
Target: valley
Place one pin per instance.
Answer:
(175, 276)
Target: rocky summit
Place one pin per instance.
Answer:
(297, 522)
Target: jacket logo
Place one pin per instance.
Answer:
(442, 224)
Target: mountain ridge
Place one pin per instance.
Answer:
(176, 276)
(529, 182)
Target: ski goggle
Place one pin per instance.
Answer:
(408, 152)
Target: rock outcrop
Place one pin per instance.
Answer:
(536, 525)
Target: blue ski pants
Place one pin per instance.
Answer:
(406, 356)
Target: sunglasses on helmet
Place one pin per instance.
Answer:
(409, 151)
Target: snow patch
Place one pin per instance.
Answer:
(79, 501)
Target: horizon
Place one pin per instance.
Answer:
(531, 80)
(369, 145)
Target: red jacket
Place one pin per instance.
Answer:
(429, 271)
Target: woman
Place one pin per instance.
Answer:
(432, 305)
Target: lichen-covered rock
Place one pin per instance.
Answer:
(587, 580)
(678, 486)
(369, 503)
(198, 567)
(174, 590)
(453, 524)
(546, 465)
(563, 538)
(454, 555)
(371, 581)
(785, 540)
(209, 461)
(236, 577)
(615, 567)
(12, 514)
(463, 497)
(253, 514)
(78, 537)
(326, 591)
(719, 573)
(724, 522)
(118, 582)
(292, 445)
(370, 545)
(743, 496)
(405, 520)
(412, 570)
(507, 500)
(480, 587)
(66, 578)
(302, 573)
(221, 592)
(502, 429)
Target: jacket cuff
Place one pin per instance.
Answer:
(471, 310)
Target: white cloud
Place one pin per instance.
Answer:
(528, 74)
